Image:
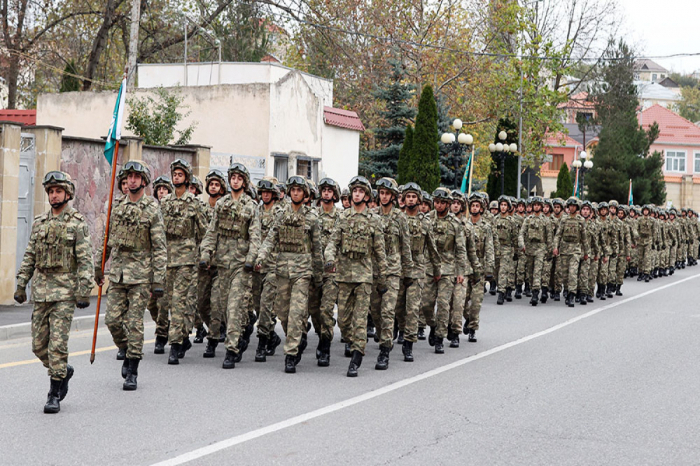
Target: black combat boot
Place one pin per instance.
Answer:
(201, 334)
(567, 299)
(184, 347)
(121, 354)
(355, 363)
(131, 375)
(589, 298)
(601, 292)
(609, 290)
(671, 270)
(383, 359)
(52, 405)
(492, 287)
(509, 294)
(210, 350)
(439, 348)
(582, 301)
(557, 296)
(400, 338)
(371, 331)
(63, 391)
(535, 297)
(173, 359)
(348, 352)
(617, 290)
(272, 343)
(571, 296)
(421, 333)
(160, 345)
(407, 351)
(289, 366)
(125, 368)
(501, 298)
(261, 351)
(302, 346)
(465, 327)
(640, 277)
(222, 333)
(471, 336)
(545, 295)
(324, 357)
(454, 342)
(646, 278)
(431, 336)
(229, 360)
(527, 292)
(578, 297)
(518, 291)
(241, 347)
(664, 272)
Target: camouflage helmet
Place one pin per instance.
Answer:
(240, 169)
(506, 199)
(412, 187)
(537, 200)
(602, 205)
(426, 198)
(360, 182)
(282, 188)
(60, 179)
(162, 181)
(140, 167)
(217, 175)
(345, 193)
(121, 176)
(389, 184)
(330, 183)
(375, 196)
(458, 195)
(614, 203)
(313, 190)
(269, 185)
(493, 205)
(183, 165)
(198, 187)
(586, 204)
(558, 201)
(442, 194)
(299, 181)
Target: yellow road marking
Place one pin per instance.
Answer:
(77, 353)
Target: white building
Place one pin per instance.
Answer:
(276, 120)
(651, 94)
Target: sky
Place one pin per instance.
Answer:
(664, 27)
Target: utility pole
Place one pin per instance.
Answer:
(133, 42)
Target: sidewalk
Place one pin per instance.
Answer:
(15, 320)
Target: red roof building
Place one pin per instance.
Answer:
(342, 118)
(24, 117)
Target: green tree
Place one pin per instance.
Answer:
(155, 118)
(452, 164)
(565, 186)
(404, 156)
(424, 163)
(69, 81)
(244, 33)
(622, 153)
(394, 98)
(689, 106)
(493, 187)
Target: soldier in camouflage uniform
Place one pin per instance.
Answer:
(534, 240)
(264, 279)
(294, 239)
(357, 237)
(483, 237)
(589, 268)
(556, 273)
(162, 186)
(59, 258)
(519, 272)
(185, 225)
(139, 260)
(345, 198)
(626, 251)
(507, 234)
(609, 246)
(195, 187)
(571, 241)
(231, 244)
(424, 254)
(448, 232)
(122, 183)
(399, 262)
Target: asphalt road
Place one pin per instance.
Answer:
(610, 383)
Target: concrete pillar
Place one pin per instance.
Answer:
(48, 150)
(201, 162)
(10, 140)
(686, 193)
(130, 148)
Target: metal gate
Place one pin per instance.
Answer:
(25, 198)
(255, 165)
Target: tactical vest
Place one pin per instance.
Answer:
(293, 234)
(391, 236)
(266, 221)
(645, 229)
(503, 228)
(54, 248)
(570, 234)
(128, 231)
(178, 217)
(535, 231)
(233, 220)
(444, 235)
(356, 238)
(327, 224)
(415, 227)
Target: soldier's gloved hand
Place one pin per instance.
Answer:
(20, 295)
(258, 267)
(204, 264)
(99, 276)
(157, 290)
(83, 302)
(248, 267)
(515, 257)
(329, 267)
(407, 282)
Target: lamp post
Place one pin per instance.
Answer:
(500, 151)
(584, 167)
(454, 142)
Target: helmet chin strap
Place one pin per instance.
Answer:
(327, 201)
(58, 205)
(297, 203)
(136, 191)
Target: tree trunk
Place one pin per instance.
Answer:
(98, 45)
(12, 78)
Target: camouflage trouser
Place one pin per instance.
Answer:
(322, 305)
(220, 287)
(592, 276)
(506, 273)
(159, 314)
(315, 294)
(292, 306)
(584, 274)
(644, 257)
(50, 330)
(520, 270)
(672, 255)
(383, 310)
(237, 305)
(559, 272)
(408, 309)
(620, 270)
(603, 266)
(125, 306)
(569, 265)
(534, 261)
(353, 305)
(634, 257)
(440, 292)
(459, 296)
(612, 269)
(266, 302)
(181, 286)
(204, 285)
(472, 306)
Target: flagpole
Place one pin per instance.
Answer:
(104, 250)
(471, 170)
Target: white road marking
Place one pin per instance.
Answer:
(296, 420)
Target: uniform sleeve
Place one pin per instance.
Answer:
(333, 243)
(253, 236)
(270, 241)
(557, 239)
(406, 257)
(159, 247)
(462, 265)
(108, 248)
(470, 246)
(200, 222)
(84, 259)
(433, 252)
(209, 241)
(26, 270)
(489, 252)
(379, 248)
(521, 234)
(316, 253)
(548, 237)
(586, 243)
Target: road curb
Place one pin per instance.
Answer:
(14, 331)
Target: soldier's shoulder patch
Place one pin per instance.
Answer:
(78, 216)
(41, 217)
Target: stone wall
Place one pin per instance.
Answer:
(159, 158)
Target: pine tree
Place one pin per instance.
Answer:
(623, 148)
(565, 187)
(389, 135)
(424, 162)
(493, 187)
(404, 156)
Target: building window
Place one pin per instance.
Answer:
(653, 77)
(308, 168)
(557, 162)
(675, 161)
(280, 171)
(697, 162)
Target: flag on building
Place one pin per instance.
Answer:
(115, 129)
(630, 197)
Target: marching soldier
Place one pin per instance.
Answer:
(139, 257)
(162, 186)
(534, 240)
(507, 234)
(59, 258)
(608, 246)
(483, 238)
(571, 244)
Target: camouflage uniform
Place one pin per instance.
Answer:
(156, 306)
(572, 242)
(483, 237)
(264, 281)
(324, 302)
(507, 233)
(462, 291)
(535, 239)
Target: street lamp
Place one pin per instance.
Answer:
(454, 142)
(584, 167)
(500, 151)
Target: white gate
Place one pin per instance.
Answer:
(25, 198)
